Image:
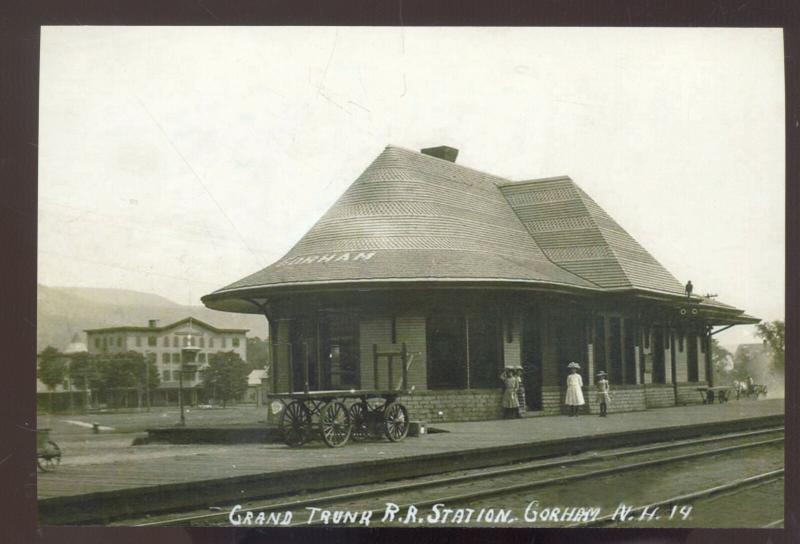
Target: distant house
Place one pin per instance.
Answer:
(256, 388)
(164, 344)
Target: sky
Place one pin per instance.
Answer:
(176, 160)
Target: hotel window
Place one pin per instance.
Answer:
(224, 342)
(151, 357)
(175, 342)
(138, 341)
(151, 341)
(211, 342)
(202, 341)
(97, 342)
(201, 357)
(166, 341)
(236, 341)
(165, 358)
(166, 375)
(176, 357)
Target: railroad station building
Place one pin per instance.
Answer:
(474, 273)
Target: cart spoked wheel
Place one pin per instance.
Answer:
(395, 421)
(296, 424)
(358, 420)
(50, 458)
(335, 424)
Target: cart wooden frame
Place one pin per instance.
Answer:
(340, 415)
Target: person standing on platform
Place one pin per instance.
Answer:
(574, 397)
(603, 393)
(510, 399)
(520, 391)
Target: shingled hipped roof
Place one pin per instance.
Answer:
(411, 217)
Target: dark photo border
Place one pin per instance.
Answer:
(20, 22)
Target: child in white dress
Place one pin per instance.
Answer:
(603, 393)
(574, 397)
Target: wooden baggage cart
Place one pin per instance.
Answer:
(48, 454)
(375, 412)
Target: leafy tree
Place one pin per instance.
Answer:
(127, 370)
(52, 369)
(721, 360)
(258, 353)
(84, 372)
(225, 376)
(751, 360)
(774, 336)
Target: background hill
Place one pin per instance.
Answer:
(63, 311)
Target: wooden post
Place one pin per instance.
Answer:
(623, 356)
(607, 347)
(375, 365)
(466, 336)
(404, 357)
(290, 358)
(305, 368)
(390, 364)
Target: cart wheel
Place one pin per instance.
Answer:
(358, 418)
(335, 424)
(395, 421)
(295, 424)
(50, 458)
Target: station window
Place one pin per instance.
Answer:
(446, 345)
(485, 351)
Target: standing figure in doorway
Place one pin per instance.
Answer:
(510, 399)
(574, 398)
(520, 391)
(603, 393)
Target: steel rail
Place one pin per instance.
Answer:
(347, 496)
(750, 481)
(528, 467)
(475, 495)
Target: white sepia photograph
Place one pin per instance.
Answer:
(411, 277)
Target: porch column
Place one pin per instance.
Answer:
(622, 351)
(590, 351)
(607, 346)
(638, 346)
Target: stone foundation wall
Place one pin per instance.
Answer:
(454, 405)
(688, 394)
(659, 396)
(624, 398)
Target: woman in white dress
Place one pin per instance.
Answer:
(574, 398)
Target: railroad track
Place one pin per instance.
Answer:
(423, 485)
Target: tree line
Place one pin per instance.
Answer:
(738, 366)
(111, 376)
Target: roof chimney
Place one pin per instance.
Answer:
(441, 152)
(151, 323)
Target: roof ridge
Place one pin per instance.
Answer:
(584, 196)
(530, 235)
(451, 163)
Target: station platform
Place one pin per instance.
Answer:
(119, 480)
